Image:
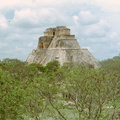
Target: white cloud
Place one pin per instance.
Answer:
(18, 49)
(92, 21)
(113, 35)
(13, 4)
(30, 44)
(24, 17)
(19, 4)
(57, 2)
(3, 22)
(2, 44)
(103, 23)
(95, 30)
(90, 25)
(4, 27)
(49, 2)
(37, 18)
(110, 5)
(86, 18)
(75, 18)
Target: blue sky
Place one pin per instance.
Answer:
(95, 23)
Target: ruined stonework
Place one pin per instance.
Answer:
(58, 44)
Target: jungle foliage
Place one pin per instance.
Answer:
(57, 92)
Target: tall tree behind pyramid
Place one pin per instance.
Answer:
(58, 44)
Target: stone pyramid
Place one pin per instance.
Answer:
(58, 44)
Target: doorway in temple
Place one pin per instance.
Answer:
(53, 33)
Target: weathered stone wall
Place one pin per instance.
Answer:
(64, 43)
(50, 32)
(44, 42)
(66, 37)
(58, 44)
(76, 56)
(57, 31)
(63, 32)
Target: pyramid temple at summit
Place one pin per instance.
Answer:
(58, 44)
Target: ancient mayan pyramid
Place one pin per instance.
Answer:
(58, 44)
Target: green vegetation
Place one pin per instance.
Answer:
(55, 92)
(112, 64)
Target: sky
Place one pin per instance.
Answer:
(95, 24)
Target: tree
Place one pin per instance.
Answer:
(91, 91)
(54, 92)
(12, 97)
(111, 64)
(52, 66)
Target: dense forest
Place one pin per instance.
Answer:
(54, 92)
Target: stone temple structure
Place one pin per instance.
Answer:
(58, 44)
